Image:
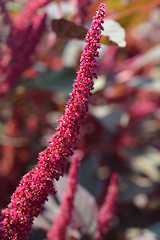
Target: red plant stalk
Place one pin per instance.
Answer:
(8, 150)
(33, 190)
(108, 207)
(6, 15)
(58, 231)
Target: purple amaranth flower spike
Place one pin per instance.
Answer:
(108, 207)
(58, 231)
(26, 32)
(29, 11)
(35, 186)
(22, 46)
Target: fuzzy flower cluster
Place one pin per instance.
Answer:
(20, 53)
(29, 11)
(25, 33)
(58, 230)
(35, 186)
(108, 207)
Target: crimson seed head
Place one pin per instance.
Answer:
(35, 186)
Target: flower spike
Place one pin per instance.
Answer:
(33, 190)
(58, 230)
(107, 210)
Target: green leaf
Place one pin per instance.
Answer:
(51, 80)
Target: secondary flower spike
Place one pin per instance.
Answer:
(33, 190)
(58, 230)
(108, 207)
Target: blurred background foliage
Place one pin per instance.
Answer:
(122, 132)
